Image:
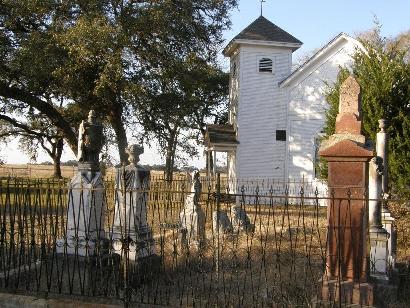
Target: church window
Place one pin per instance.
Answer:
(281, 135)
(265, 65)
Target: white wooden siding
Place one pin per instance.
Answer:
(307, 108)
(264, 107)
(262, 111)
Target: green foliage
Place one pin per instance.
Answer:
(384, 76)
(63, 58)
(183, 97)
(332, 97)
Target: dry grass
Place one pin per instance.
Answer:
(273, 264)
(34, 171)
(46, 171)
(279, 263)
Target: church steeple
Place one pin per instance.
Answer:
(262, 31)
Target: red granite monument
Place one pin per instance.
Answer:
(347, 266)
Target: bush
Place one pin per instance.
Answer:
(384, 76)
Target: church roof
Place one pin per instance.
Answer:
(313, 62)
(264, 30)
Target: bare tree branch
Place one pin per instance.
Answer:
(55, 117)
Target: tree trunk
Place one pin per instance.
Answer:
(57, 169)
(168, 166)
(115, 119)
(170, 156)
(59, 145)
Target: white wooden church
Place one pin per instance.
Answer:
(275, 115)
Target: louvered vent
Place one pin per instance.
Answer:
(265, 65)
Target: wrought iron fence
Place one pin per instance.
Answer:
(275, 255)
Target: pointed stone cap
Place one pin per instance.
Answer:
(348, 118)
(346, 148)
(350, 100)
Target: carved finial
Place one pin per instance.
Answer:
(382, 125)
(194, 178)
(134, 151)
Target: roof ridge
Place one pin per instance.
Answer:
(262, 29)
(320, 51)
(257, 22)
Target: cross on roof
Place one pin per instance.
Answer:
(262, 1)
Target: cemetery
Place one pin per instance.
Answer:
(199, 242)
(312, 209)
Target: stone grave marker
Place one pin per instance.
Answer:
(131, 232)
(192, 217)
(347, 266)
(85, 234)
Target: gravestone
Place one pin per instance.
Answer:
(239, 218)
(131, 232)
(192, 217)
(85, 234)
(221, 223)
(347, 266)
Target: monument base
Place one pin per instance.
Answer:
(82, 247)
(192, 232)
(386, 294)
(85, 234)
(221, 222)
(346, 292)
(378, 253)
(140, 245)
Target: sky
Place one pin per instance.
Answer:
(314, 22)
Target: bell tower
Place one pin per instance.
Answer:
(260, 57)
